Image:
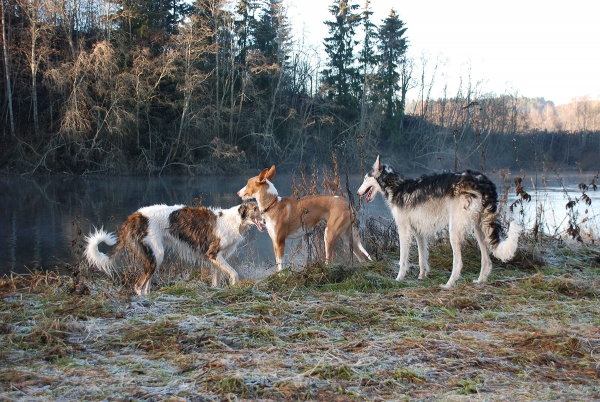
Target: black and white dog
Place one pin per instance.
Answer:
(190, 232)
(421, 207)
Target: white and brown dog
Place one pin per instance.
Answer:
(291, 217)
(190, 232)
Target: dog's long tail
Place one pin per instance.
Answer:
(97, 257)
(503, 249)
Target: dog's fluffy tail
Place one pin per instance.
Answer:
(95, 256)
(506, 249)
(502, 249)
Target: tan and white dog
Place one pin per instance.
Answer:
(289, 217)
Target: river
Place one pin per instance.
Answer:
(42, 219)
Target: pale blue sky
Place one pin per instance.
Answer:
(535, 48)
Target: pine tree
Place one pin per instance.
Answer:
(342, 78)
(368, 61)
(245, 25)
(150, 21)
(392, 49)
(272, 31)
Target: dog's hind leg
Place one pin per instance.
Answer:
(333, 231)
(456, 260)
(352, 239)
(423, 256)
(357, 248)
(486, 262)
(153, 255)
(142, 285)
(456, 228)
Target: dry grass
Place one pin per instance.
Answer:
(335, 333)
(341, 332)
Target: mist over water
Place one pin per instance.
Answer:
(42, 219)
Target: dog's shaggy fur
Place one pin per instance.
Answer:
(288, 217)
(190, 232)
(421, 207)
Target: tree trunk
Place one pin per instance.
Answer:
(34, 70)
(7, 73)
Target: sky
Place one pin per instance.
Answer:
(531, 48)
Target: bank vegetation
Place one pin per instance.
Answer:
(218, 86)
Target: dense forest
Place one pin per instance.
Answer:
(219, 86)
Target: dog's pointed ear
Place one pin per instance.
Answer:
(271, 173)
(263, 175)
(243, 210)
(377, 165)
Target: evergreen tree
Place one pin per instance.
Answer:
(342, 78)
(368, 61)
(150, 21)
(271, 46)
(368, 58)
(245, 25)
(272, 31)
(392, 49)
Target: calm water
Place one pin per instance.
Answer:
(41, 217)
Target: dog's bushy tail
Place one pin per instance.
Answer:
(94, 256)
(503, 249)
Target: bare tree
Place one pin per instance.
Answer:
(5, 48)
(193, 44)
(35, 10)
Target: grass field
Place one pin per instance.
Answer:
(325, 333)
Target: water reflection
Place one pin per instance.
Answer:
(42, 218)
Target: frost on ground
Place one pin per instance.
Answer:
(331, 333)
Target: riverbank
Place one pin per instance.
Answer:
(325, 333)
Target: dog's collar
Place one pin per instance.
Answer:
(270, 205)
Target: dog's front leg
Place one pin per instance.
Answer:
(405, 234)
(279, 249)
(219, 262)
(216, 276)
(423, 256)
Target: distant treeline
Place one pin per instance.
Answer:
(121, 87)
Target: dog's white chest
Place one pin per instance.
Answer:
(297, 233)
(270, 223)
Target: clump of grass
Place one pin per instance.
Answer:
(565, 285)
(160, 336)
(468, 387)
(34, 282)
(406, 374)
(328, 371)
(258, 335)
(232, 385)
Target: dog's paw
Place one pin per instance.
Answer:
(447, 287)
(401, 275)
